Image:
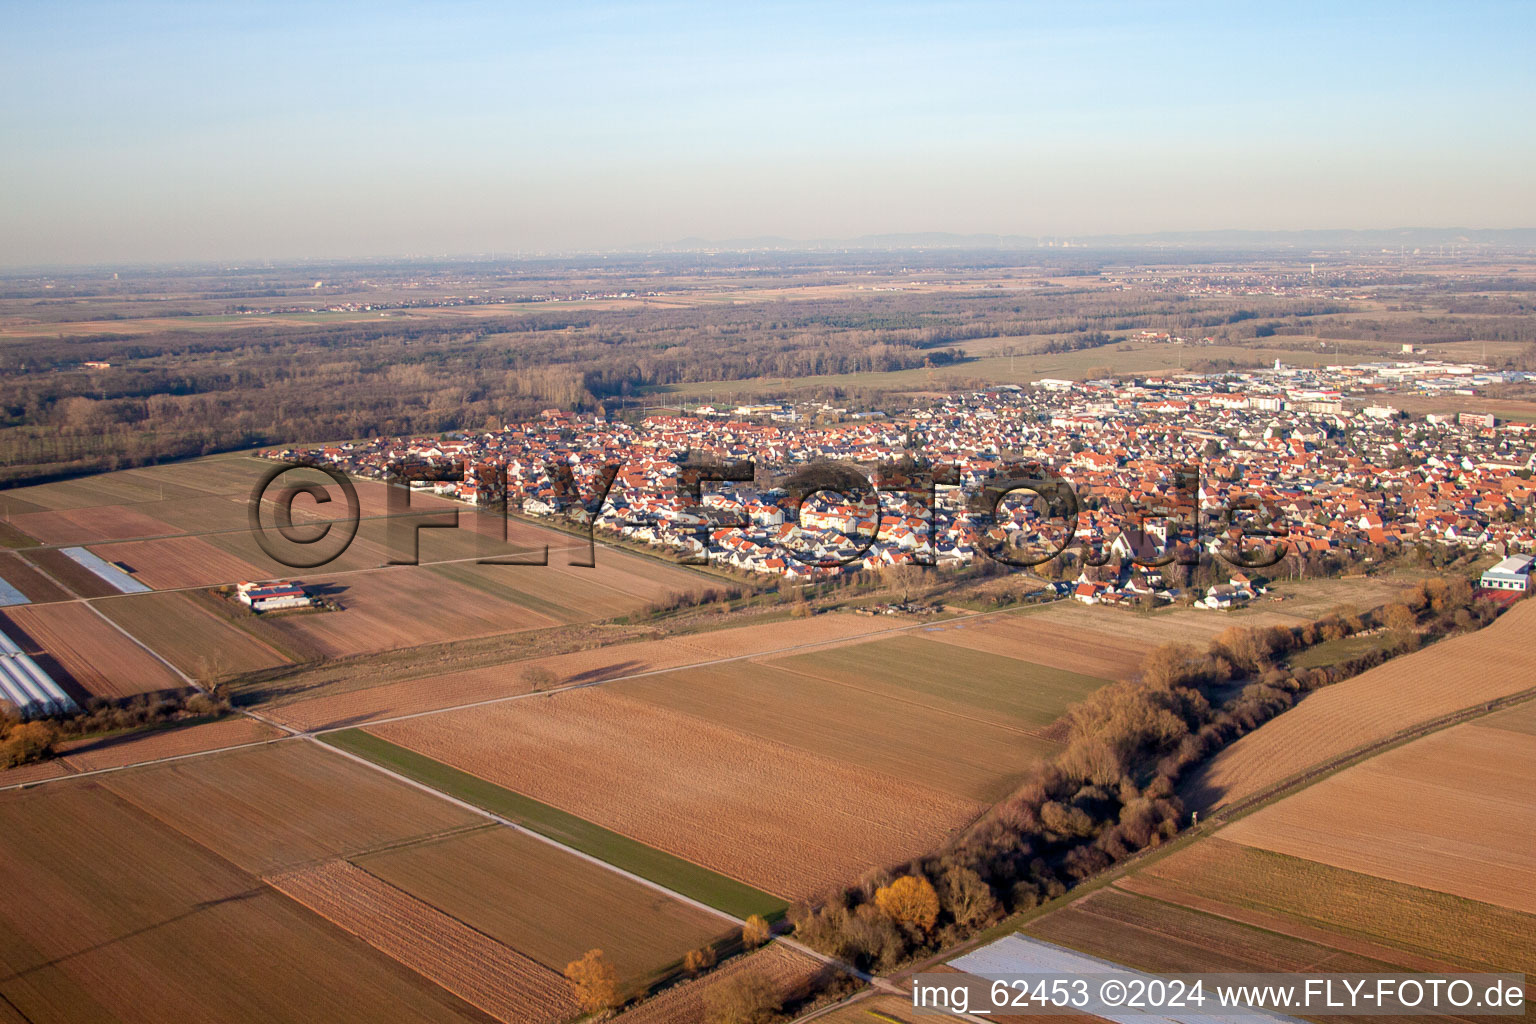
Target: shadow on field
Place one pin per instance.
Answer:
(326, 589)
(196, 908)
(597, 675)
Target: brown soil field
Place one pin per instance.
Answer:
(90, 525)
(373, 497)
(233, 473)
(901, 738)
(88, 651)
(261, 628)
(1059, 644)
(1504, 408)
(886, 1009)
(1151, 935)
(182, 631)
(114, 752)
(34, 772)
(359, 706)
(179, 562)
(1401, 924)
(791, 974)
(277, 806)
(129, 487)
(199, 514)
(1453, 674)
(880, 1009)
(112, 916)
(11, 504)
(545, 903)
(1128, 629)
(473, 966)
(1520, 718)
(788, 822)
(399, 608)
(538, 589)
(76, 578)
(826, 631)
(618, 584)
(25, 577)
(632, 575)
(366, 551)
(1450, 812)
(910, 669)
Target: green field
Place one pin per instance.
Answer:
(1332, 652)
(680, 876)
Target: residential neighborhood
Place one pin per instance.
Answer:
(1315, 460)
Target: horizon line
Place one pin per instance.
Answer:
(1232, 239)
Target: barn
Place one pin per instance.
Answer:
(273, 595)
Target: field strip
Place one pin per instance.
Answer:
(259, 641)
(773, 652)
(152, 652)
(293, 732)
(1159, 891)
(146, 764)
(1301, 780)
(831, 961)
(894, 699)
(487, 974)
(210, 586)
(703, 887)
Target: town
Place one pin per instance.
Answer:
(1319, 458)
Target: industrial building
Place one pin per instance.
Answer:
(1513, 573)
(24, 684)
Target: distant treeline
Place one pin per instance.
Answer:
(185, 393)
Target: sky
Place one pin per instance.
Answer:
(134, 132)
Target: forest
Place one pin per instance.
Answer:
(186, 393)
(194, 388)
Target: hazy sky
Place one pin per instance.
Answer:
(134, 132)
